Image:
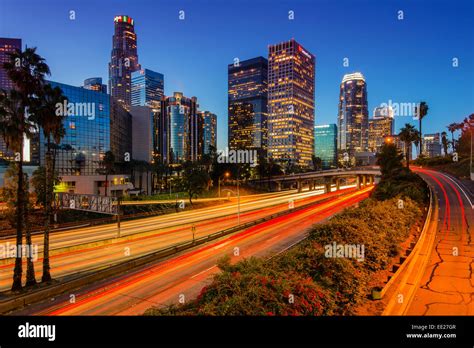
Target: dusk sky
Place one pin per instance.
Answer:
(405, 61)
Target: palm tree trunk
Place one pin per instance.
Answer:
(46, 277)
(30, 268)
(407, 154)
(18, 270)
(421, 138)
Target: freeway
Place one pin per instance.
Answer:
(183, 276)
(146, 236)
(444, 285)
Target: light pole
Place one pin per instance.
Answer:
(226, 175)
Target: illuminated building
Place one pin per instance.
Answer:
(353, 121)
(432, 145)
(325, 145)
(291, 76)
(209, 131)
(380, 126)
(124, 60)
(147, 88)
(95, 84)
(247, 104)
(6, 46)
(179, 130)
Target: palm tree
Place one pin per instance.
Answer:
(45, 115)
(422, 112)
(408, 135)
(452, 128)
(107, 164)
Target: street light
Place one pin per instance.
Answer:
(226, 175)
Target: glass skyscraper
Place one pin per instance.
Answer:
(147, 88)
(325, 145)
(353, 119)
(179, 130)
(247, 104)
(94, 125)
(124, 60)
(209, 125)
(291, 76)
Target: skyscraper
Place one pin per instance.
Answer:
(6, 46)
(325, 144)
(432, 145)
(179, 130)
(95, 84)
(124, 60)
(353, 120)
(247, 104)
(291, 103)
(97, 124)
(380, 127)
(209, 134)
(147, 88)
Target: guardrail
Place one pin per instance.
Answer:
(394, 278)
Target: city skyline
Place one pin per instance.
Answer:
(205, 75)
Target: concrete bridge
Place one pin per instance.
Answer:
(328, 178)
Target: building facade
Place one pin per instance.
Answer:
(209, 131)
(432, 145)
(7, 46)
(95, 84)
(179, 130)
(382, 125)
(325, 145)
(94, 124)
(291, 76)
(247, 104)
(353, 120)
(124, 60)
(147, 88)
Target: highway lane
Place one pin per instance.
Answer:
(163, 282)
(92, 258)
(447, 284)
(89, 234)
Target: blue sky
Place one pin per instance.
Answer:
(404, 61)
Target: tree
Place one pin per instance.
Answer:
(445, 143)
(408, 135)
(27, 71)
(195, 179)
(422, 111)
(107, 167)
(51, 123)
(317, 162)
(389, 160)
(452, 128)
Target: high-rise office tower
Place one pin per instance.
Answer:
(179, 130)
(432, 145)
(247, 104)
(325, 145)
(7, 46)
(291, 76)
(209, 131)
(95, 84)
(95, 124)
(353, 120)
(381, 126)
(147, 88)
(124, 60)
